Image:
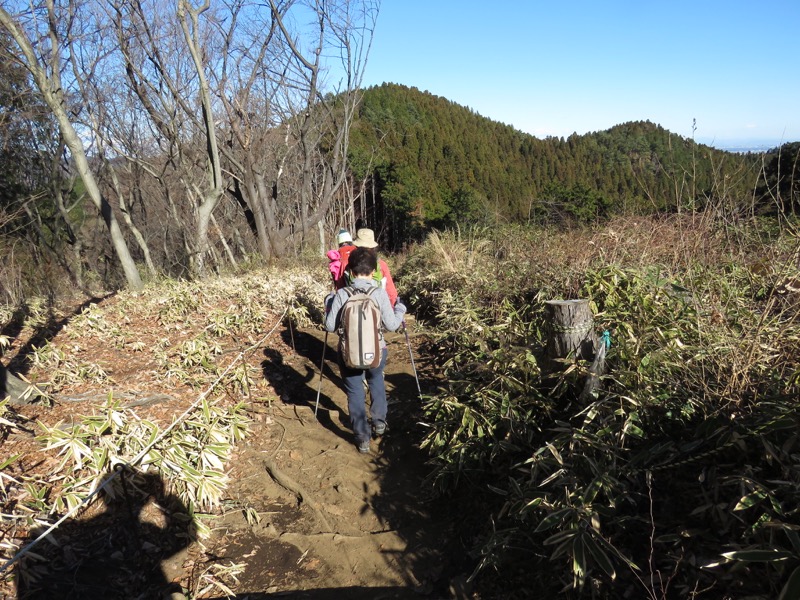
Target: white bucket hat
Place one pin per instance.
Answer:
(343, 237)
(365, 238)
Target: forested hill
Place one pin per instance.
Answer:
(436, 163)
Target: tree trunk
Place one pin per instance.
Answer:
(223, 241)
(214, 190)
(126, 216)
(101, 203)
(322, 248)
(49, 84)
(201, 234)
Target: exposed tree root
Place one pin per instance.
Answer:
(288, 483)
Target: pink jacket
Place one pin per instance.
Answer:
(335, 264)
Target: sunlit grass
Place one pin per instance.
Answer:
(701, 376)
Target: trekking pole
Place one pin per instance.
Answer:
(411, 354)
(321, 367)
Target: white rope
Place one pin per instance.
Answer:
(86, 499)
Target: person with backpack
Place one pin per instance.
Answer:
(365, 238)
(360, 312)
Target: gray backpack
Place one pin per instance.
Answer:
(359, 330)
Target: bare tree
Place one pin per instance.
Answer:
(201, 116)
(166, 56)
(211, 192)
(41, 35)
(289, 125)
(94, 63)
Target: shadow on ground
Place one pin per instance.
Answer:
(121, 553)
(43, 334)
(421, 547)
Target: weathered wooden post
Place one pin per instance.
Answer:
(571, 330)
(572, 334)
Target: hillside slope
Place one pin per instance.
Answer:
(435, 163)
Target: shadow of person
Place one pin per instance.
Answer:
(291, 386)
(307, 343)
(300, 389)
(20, 363)
(117, 554)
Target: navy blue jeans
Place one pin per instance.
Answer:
(357, 397)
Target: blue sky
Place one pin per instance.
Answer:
(554, 68)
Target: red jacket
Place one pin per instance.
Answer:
(385, 279)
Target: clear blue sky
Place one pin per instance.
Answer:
(554, 68)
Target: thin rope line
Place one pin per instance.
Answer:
(579, 328)
(25, 550)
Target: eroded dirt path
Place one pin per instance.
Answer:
(305, 515)
(317, 519)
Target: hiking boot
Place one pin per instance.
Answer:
(363, 447)
(379, 428)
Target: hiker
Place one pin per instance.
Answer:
(362, 265)
(338, 258)
(365, 238)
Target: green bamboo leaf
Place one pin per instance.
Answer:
(600, 557)
(776, 506)
(555, 454)
(750, 500)
(591, 490)
(559, 537)
(579, 558)
(10, 460)
(533, 503)
(758, 555)
(551, 519)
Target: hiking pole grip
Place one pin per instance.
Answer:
(411, 355)
(321, 366)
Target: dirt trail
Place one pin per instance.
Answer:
(306, 515)
(332, 522)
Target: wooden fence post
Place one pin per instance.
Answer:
(571, 331)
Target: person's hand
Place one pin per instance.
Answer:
(399, 307)
(328, 302)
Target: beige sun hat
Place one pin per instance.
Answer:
(365, 238)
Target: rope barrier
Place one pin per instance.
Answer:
(579, 328)
(127, 465)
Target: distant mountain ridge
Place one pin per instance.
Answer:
(433, 162)
(758, 148)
